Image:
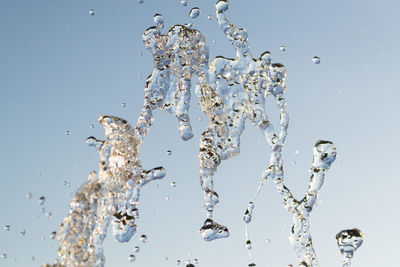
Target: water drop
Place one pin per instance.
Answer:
(282, 48)
(190, 265)
(136, 249)
(53, 235)
(169, 152)
(3, 256)
(349, 241)
(184, 2)
(173, 184)
(209, 17)
(168, 198)
(140, 1)
(268, 241)
(41, 200)
(66, 183)
(91, 126)
(159, 20)
(140, 53)
(248, 244)
(92, 12)
(67, 132)
(123, 105)
(49, 214)
(194, 12)
(297, 152)
(7, 227)
(140, 74)
(28, 195)
(143, 238)
(316, 60)
(222, 6)
(131, 258)
(42, 210)
(23, 233)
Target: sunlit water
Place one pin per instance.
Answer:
(229, 92)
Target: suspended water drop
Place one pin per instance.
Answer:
(92, 12)
(131, 258)
(3, 256)
(316, 60)
(297, 152)
(41, 200)
(168, 198)
(222, 6)
(349, 241)
(252, 264)
(140, 74)
(67, 132)
(66, 183)
(248, 244)
(123, 105)
(49, 214)
(159, 20)
(189, 265)
(140, 53)
(93, 142)
(23, 232)
(173, 184)
(143, 238)
(91, 126)
(209, 17)
(195, 261)
(282, 48)
(169, 152)
(194, 12)
(28, 195)
(43, 238)
(184, 2)
(136, 249)
(140, 1)
(178, 262)
(268, 241)
(53, 235)
(7, 227)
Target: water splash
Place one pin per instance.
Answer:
(229, 91)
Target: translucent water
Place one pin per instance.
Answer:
(349, 241)
(230, 92)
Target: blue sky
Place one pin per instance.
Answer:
(61, 68)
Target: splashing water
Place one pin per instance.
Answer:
(229, 91)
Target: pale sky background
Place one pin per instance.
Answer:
(61, 68)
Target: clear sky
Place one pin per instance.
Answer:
(60, 68)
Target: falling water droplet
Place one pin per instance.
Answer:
(123, 105)
(195, 261)
(91, 126)
(169, 152)
(248, 244)
(159, 20)
(252, 264)
(140, 1)
(28, 195)
(316, 60)
(209, 17)
(282, 48)
(140, 53)
(92, 12)
(168, 198)
(23, 233)
(49, 214)
(194, 12)
(173, 184)
(3, 256)
(136, 249)
(53, 235)
(143, 238)
(7, 227)
(268, 241)
(222, 6)
(131, 258)
(67, 132)
(184, 2)
(41, 200)
(349, 241)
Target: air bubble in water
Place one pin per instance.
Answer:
(7, 227)
(194, 12)
(282, 48)
(159, 20)
(143, 238)
(190, 265)
(316, 60)
(178, 262)
(252, 264)
(195, 261)
(41, 200)
(167, 198)
(131, 258)
(28, 195)
(91, 126)
(49, 214)
(268, 241)
(209, 17)
(136, 249)
(3, 256)
(184, 2)
(92, 12)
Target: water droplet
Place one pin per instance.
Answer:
(248, 244)
(222, 6)
(140, 1)
(282, 48)
(168, 198)
(93, 142)
(140, 74)
(41, 200)
(159, 20)
(49, 214)
(252, 264)
(178, 262)
(140, 53)
(53, 235)
(268, 241)
(131, 258)
(184, 2)
(92, 12)
(28, 195)
(297, 152)
(91, 126)
(173, 184)
(209, 17)
(169, 152)
(66, 183)
(123, 105)
(7, 227)
(23, 233)
(136, 249)
(194, 12)
(143, 238)
(316, 60)
(3, 256)
(67, 132)
(42, 210)
(349, 241)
